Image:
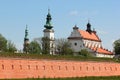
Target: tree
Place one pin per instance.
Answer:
(85, 53)
(63, 47)
(11, 47)
(34, 47)
(45, 45)
(117, 47)
(3, 43)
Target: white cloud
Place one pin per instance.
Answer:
(102, 32)
(74, 13)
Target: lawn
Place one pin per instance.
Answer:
(54, 57)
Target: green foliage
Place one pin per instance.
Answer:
(45, 45)
(63, 47)
(3, 43)
(117, 46)
(10, 47)
(34, 47)
(54, 57)
(85, 53)
(26, 48)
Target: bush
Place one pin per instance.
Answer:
(85, 53)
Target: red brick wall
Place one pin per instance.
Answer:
(26, 68)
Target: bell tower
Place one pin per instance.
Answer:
(49, 34)
(26, 42)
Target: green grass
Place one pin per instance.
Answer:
(82, 78)
(55, 57)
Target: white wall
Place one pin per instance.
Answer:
(76, 45)
(104, 55)
(49, 34)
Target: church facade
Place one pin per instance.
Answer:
(89, 40)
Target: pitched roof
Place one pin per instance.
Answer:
(101, 50)
(89, 36)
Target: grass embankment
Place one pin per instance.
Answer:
(82, 78)
(54, 57)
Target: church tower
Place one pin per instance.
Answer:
(49, 35)
(26, 42)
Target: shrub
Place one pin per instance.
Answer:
(85, 53)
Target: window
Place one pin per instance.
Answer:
(87, 68)
(66, 67)
(111, 68)
(2, 66)
(12, 66)
(75, 44)
(80, 67)
(43, 67)
(20, 66)
(93, 68)
(59, 67)
(28, 66)
(52, 67)
(105, 68)
(36, 67)
(73, 68)
(99, 68)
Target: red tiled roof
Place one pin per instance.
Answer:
(101, 50)
(104, 51)
(89, 36)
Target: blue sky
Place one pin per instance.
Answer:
(104, 16)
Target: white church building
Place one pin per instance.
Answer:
(88, 39)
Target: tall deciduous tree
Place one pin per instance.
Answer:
(34, 47)
(45, 45)
(3, 43)
(11, 46)
(117, 47)
(63, 47)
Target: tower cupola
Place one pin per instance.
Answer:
(89, 27)
(48, 24)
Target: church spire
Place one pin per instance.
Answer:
(26, 42)
(48, 24)
(89, 27)
(26, 34)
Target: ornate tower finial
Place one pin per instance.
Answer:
(48, 24)
(75, 27)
